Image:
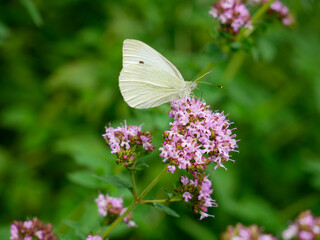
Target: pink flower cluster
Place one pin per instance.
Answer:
(128, 141)
(111, 208)
(279, 9)
(306, 227)
(232, 15)
(197, 192)
(31, 230)
(240, 232)
(90, 237)
(197, 137)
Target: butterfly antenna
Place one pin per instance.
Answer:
(198, 79)
(212, 84)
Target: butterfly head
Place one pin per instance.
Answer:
(189, 86)
(193, 85)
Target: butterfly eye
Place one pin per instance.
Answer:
(141, 62)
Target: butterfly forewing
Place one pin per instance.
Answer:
(137, 52)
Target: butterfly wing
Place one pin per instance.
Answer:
(137, 52)
(148, 79)
(146, 86)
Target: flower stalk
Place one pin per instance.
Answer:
(136, 201)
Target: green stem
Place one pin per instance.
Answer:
(134, 187)
(135, 203)
(119, 219)
(151, 185)
(177, 199)
(261, 11)
(246, 32)
(234, 65)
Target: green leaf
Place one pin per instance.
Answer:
(163, 208)
(33, 11)
(87, 150)
(115, 181)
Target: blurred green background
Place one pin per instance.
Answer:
(59, 64)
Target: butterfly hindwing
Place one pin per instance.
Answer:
(146, 86)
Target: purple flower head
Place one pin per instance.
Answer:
(305, 227)
(107, 204)
(279, 9)
(282, 12)
(197, 192)
(90, 237)
(128, 219)
(111, 208)
(127, 142)
(232, 14)
(197, 137)
(241, 232)
(31, 229)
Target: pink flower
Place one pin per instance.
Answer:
(227, 4)
(28, 224)
(305, 227)
(90, 237)
(128, 141)
(241, 232)
(39, 234)
(280, 10)
(108, 204)
(197, 137)
(214, 12)
(290, 232)
(14, 232)
(232, 14)
(205, 215)
(187, 196)
(111, 208)
(197, 192)
(128, 219)
(31, 229)
(266, 237)
(305, 235)
(276, 6)
(184, 180)
(308, 221)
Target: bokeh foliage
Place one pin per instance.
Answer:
(59, 65)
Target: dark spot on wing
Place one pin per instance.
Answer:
(141, 62)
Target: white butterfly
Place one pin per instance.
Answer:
(148, 79)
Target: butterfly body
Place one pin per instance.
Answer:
(148, 79)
